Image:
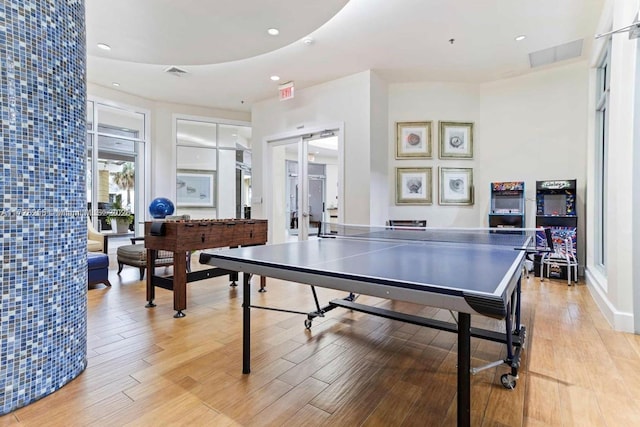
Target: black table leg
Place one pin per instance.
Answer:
(518, 294)
(151, 268)
(464, 369)
(508, 325)
(246, 324)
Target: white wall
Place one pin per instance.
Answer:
(419, 102)
(613, 289)
(526, 128)
(379, 143)
(163, 155)
(162, 143)
(535, 128)
(636, 196)
(344, 100)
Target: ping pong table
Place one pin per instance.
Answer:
(464, 271)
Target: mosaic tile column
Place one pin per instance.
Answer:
(43, 226)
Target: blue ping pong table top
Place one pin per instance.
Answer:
(486, 268)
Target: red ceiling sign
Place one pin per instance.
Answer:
(286, 91)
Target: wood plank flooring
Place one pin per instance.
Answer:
(146, 368)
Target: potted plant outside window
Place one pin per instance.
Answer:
(119, 217)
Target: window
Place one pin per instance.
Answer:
(213, 169)
(116, 139)
(601, 160)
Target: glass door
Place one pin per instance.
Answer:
(304, 185)
(284, 219)
(323, 179)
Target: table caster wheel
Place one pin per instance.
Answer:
(307, 323)
(508, 381)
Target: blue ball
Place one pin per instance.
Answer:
(161, 207)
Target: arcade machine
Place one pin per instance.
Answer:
(507, 205)
(556, 209)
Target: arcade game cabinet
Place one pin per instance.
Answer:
(507, 205)
(556, 209)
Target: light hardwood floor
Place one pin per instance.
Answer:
(146, 368)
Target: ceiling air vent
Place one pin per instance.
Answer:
(555, 54)
(175, 71)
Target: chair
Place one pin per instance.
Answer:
(558, 256)
(407, 223)
(136, 254)
(96, 241)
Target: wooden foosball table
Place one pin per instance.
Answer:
(182, 236)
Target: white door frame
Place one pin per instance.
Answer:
(142, 186)
(636, 198)
(267, 176)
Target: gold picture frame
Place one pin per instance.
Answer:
(456, 140)
(456, 186)
(413, 140)
(413, 186)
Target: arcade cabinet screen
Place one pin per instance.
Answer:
(506, 204)
(555, 204)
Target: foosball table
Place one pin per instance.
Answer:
(183, 236)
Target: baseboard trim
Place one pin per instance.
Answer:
(619, 320)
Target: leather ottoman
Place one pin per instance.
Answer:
(98, 268)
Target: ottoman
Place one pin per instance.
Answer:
(136, 256)
(98, 268)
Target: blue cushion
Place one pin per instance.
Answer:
(97, 260)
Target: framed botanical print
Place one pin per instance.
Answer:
(413, 140)
(195, 188)
(413, 186)
(456, 140)
(456, 186)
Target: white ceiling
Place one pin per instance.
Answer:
(229, 57)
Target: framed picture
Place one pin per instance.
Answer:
(195, 188)
(413, 140)
(413, 186)
(456, 186)
(456, 140)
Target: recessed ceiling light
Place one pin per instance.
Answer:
(104, 46)
(275, 78)
(116, 84)
(520, 37)
(273, 31)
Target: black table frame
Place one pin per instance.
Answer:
(514, 338)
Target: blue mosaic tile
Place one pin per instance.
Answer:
(43, 277)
